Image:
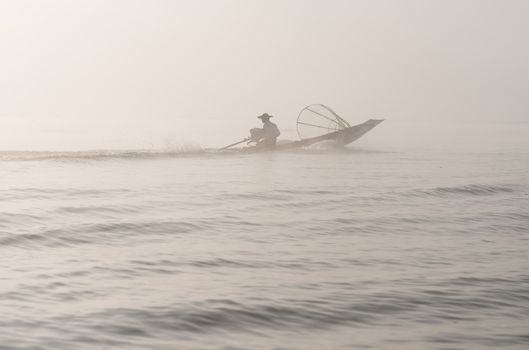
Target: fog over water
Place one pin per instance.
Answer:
(122, 227)
(135, 74)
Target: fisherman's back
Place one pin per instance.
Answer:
(271, 131)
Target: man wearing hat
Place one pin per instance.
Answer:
(270, 132)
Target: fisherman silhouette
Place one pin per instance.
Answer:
(266, 137)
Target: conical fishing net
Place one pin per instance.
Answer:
(318, 119)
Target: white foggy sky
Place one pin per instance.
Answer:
(129, 73)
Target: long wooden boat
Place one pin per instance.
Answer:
(317, 123)
(340, 138)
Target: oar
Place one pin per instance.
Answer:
(233, 144)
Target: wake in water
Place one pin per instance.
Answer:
(101, 154)
(176, 152)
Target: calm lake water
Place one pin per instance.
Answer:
(371, 247)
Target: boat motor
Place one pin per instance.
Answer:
(256, 134)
